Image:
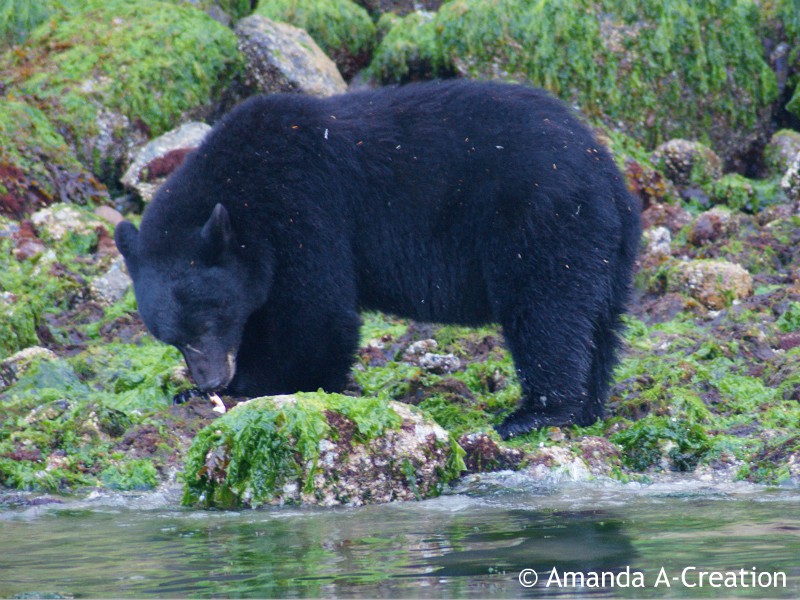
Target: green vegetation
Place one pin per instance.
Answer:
(271, 450)
(710, 50)
(37, 166)
(147, 61)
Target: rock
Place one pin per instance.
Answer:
(110, 287)
(58, 220)
(483, 454)
(657, 242)
(713, 283)
(711, 226)
(282, 58)
(159, 157)
(121, 72)
(686, 162)
(14, 367)
(38, 168)
(555, 463)
(322, 449)
(439, 363)
(781, 151)
(790, 182)
(671, 216)
(343, 30)
(111, 215)
(419, 348)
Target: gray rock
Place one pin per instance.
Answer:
(790, 182)
(158, 158)
(110, 287)
(781, 151)
(658, 241)
(283, 58)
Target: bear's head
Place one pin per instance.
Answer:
(195, 290)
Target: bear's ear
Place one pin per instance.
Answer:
(217, 233)
(126, 237)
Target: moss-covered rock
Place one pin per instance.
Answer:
(409, 50)
(343, 29)
(687, 162)
(319, 449)
(37, 167)
(741, 193)
(112, 73)
(686, 68)
(713, 283)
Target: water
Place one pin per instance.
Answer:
(471, 544)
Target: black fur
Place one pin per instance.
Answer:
(452, 202)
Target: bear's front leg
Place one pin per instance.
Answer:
(299, 352)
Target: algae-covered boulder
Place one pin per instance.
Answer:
(111, 73)
(282, 58)
(319, 449)
(686, 162)
(409, 49)
(341, 28)
(714, 283)
(661, 69)
(37, 167)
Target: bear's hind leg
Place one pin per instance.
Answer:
(553, 357)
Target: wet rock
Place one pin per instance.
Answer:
(713, 283)
(602, 456)
(781, 151)
(685, 162)
(111, 286)
(159, 157)
(319, 449)
(777, 461)
(711, 226)
(556, 463)
(14, 367)
(282, 58)
(483, 454)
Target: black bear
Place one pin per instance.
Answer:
(452, 202)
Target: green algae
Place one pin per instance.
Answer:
(685, 72)
(149, 61)
(409, 49)
(250, 454)
(341, 28)
(37, 167)
(744, 194)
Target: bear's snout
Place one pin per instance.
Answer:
(210, 373)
